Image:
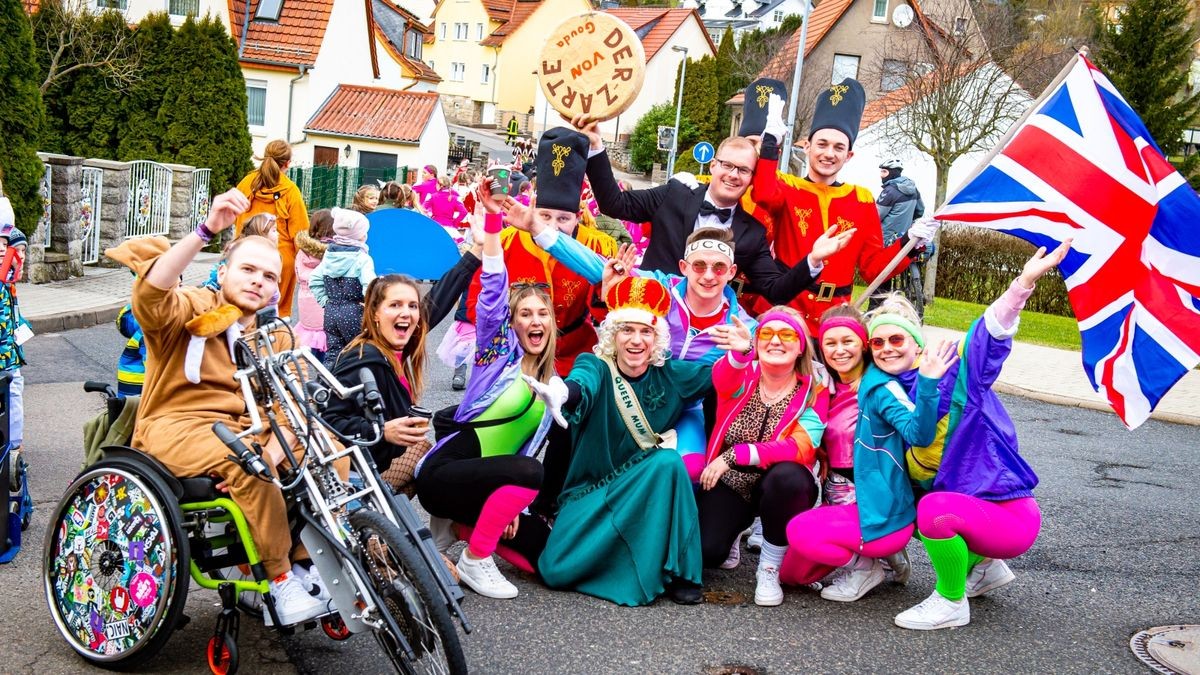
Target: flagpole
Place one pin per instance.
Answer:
(1008, 135)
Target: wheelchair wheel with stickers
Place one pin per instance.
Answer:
(115, 570)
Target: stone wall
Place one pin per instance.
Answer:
(63, 256)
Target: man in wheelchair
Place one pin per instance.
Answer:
(190, 384)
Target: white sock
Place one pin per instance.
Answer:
(771, 554)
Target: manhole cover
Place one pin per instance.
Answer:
(733, 669)
(720, 597)
(1173, 650)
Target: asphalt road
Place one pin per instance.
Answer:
(1117, 554)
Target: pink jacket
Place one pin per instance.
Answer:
(445, 208)
(310, 328)
(798, 434)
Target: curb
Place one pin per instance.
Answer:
(1071, 401)
(83, 318)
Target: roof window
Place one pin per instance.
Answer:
(268, 10)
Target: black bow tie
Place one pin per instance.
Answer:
(723, 215)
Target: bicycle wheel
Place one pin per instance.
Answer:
(410, 594)
(115, 565)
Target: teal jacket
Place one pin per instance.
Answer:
(888, 422)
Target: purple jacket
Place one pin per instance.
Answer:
(980, 456)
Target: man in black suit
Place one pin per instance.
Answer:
(676, 210)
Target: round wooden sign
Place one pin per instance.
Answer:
(592, 64)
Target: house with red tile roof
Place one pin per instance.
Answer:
(345, 83)
(662, 31)
(873, 41)
(486, 53)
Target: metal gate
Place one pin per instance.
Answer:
(149, 199)
(44, 192)
(201, 194)
(89, 214)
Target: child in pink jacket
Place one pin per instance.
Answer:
(310, 327)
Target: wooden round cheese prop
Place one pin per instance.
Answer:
(592, 64)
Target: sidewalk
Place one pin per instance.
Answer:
(92, 299)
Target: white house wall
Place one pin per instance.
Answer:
(135, 10)
(434, 145)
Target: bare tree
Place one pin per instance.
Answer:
(72, 37)
(961, 91)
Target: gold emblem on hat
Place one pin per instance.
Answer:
(560, 151)
(764, 94)
(836, 92)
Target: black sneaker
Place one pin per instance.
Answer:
(685, 593)
(459, 381)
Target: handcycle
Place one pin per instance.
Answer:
(126, 531)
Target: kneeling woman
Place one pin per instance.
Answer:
(762, 455)
(627, 526)
(483, 475)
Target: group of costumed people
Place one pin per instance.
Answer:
(625, 421)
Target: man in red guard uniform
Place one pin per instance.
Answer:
(800, 209)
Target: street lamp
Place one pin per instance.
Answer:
(678, 109)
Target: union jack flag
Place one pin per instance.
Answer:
(1083, 166)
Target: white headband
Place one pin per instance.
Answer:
(708, 244)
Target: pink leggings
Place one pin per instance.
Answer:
(828, 537)
(1001, 530)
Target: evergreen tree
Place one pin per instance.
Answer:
(144, 131)
(92, 107)
(700, 98)
(1147, 57)
(643, 142)
(22, 115)
(728, 83)
(204, 108)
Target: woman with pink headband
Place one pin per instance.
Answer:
(762, 454)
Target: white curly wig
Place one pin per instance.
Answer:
(606, 348)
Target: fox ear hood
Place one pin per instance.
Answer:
(139, 254)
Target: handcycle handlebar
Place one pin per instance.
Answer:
(250, 461)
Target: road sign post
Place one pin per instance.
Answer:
(703, 153)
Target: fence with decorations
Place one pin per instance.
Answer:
(89, 205)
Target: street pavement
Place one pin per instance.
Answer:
(1117, 554)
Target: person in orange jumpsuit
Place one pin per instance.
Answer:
(270, 191)
(800, 209)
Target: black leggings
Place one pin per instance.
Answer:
(557, 460)
(456, 481)
(785, 490)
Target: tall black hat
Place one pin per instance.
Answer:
(840, 107)
(754, 106)
(561, 160)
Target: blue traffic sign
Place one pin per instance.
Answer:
(703, 152)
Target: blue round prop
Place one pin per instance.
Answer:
(406, 242)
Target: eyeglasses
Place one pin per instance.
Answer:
(701, 267)
(784, 334)
(733, 168)
(526, 285)
(896, 340)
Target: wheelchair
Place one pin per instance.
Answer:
(127, 535)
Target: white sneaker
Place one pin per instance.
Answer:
(768, 592)
(735, 555)
(755, 540)
(898, 564)
(310, 579)
(483, 577)
(988, 576)
(292, 603)
(935, 612)
(443, 533)
(854, 583)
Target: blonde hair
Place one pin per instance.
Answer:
(893, 303)
(270, 169)
(360, 198)
(260, 225)
(543, 365)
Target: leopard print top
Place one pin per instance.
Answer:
(754, 424)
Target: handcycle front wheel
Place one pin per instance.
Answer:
(410, 594)
(115, 563)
